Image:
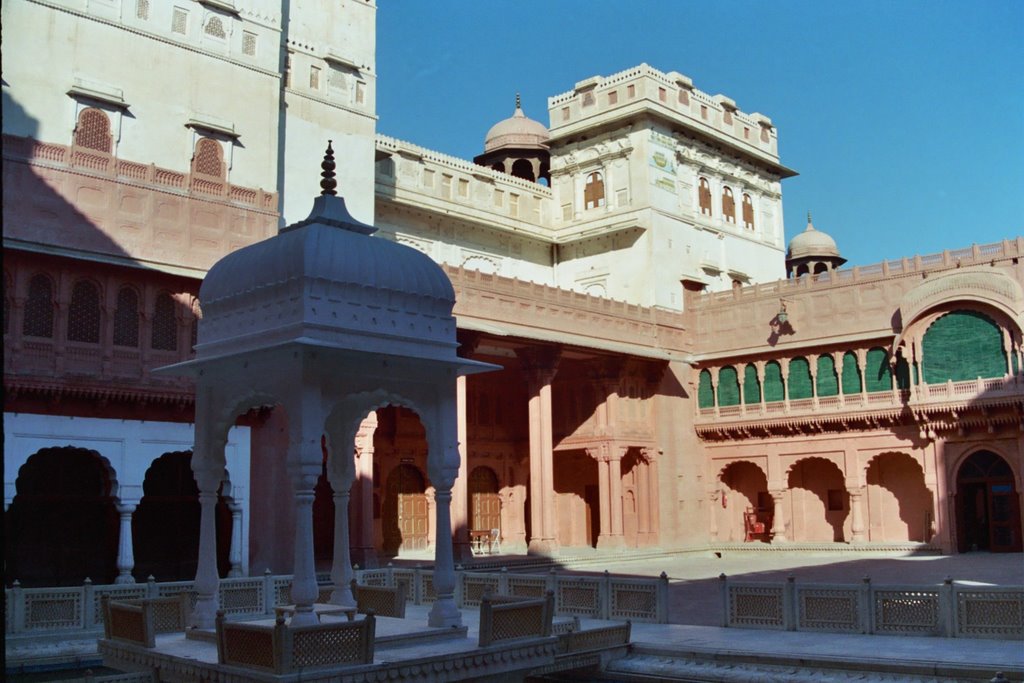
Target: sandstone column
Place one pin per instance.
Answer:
(857, 514)
(540, 365)
(778, 519)
(460, 490)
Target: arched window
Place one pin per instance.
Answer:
(774, 386)
(962, 345)
(827, 384)
(748, 212)
(728, 206)
(704, 196)
(851, 374)
(84, 313)
(800, 379)
(126, 318)
(165, 324)
(593, 192)
(93, 130)
(705, 392)
(38, 320)
(522, 168)
(209, 158)
(728, 387)
(751, 385)
(877, 375)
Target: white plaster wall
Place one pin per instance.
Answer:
(130, 446)
(166, 79)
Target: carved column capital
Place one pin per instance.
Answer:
(541, 362)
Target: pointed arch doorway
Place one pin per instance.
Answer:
(988, 514)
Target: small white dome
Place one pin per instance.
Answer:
(812, 242)
(516, 131)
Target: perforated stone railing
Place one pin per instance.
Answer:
(31, 611)
(947, 610)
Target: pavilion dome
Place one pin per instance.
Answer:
(517, 131)
(812, 243)
(326, 280)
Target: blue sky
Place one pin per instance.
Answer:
(905, 119)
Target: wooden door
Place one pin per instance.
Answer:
(405, 519)
(484, 500)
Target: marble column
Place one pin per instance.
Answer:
(304, 586)
(341, 563)
(857, 534)
(444, 611)
(125, 552)
(207, 580)
(235, 554)
(778, 518)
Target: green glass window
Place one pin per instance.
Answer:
(800, 379)
(962, 345)
(774, 389)
(851, 374)
(827, 382)
(728, 387)
(878, 376)
(705, 393)
(751, 386)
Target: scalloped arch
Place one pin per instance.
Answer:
(731, 463)
(830, 461)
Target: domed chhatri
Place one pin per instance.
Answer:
(812, 251)
(518, 146)
(326, 279)
(518, 130)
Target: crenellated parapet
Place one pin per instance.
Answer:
(671, 95)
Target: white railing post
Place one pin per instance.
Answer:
(789, 604)
(417, 585)
(151, 589)
(606, 596)
(723, 583)
(661, 608)
(268, 591)
(947, 609)
(88, 612)
(864, 605)
(553, 582)
(503, 582)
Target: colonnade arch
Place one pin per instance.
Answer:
(899, 504)
(819, 503)
(62, 526)
(742, 489)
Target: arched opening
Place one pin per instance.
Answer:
(633, 468)
(484, 500)
(987, 508)
(705, 390)
(704, 196)
(62, 526)
(323, 515)
(523, 168)
(93, 130)
(800, 385)
(84, 313)
(744, 495)
(899, 504)
(820, 503)
(593, 191)
(405, 517)
(165, 526)
(728, 387)
(962, 345)
(751, 385)
(38, 313)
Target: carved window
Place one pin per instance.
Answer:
(179, 21)
(751, 385)
(209, 158)
(215, 28)
(142, 9)
(93, 130)
(748, 212)
(764, 134)
(126, 318)
(593, 191)
(165, 324)
(248, 44)
(705, 390)
(704, 196)
(613, 97)
(728, 205)
(84, 313)
(38, 320)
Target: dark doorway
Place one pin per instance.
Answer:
(988, 514)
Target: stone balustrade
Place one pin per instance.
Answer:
(65, 610)
(949, 610)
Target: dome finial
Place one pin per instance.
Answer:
(810, 225)
(328, 184)
(518, 102)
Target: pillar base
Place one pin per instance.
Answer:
(779, 538)
(204, 614)
(343, 596)
(304, 618)
(611, 542)
(542, 546)
(124, 578)
(444, 613)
